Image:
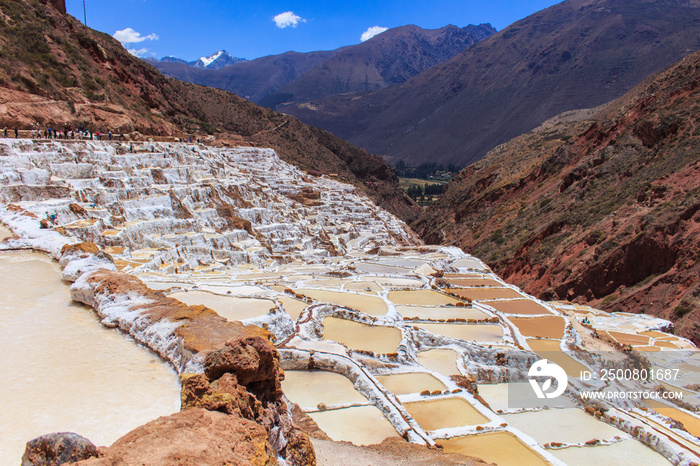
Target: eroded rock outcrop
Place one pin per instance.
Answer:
(58, 448)
(193, 436)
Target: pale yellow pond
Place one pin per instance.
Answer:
(63, 371)
(501, 448)
(481, 332)
(570, 425)
(309, 388)
(550, 349)
(420, 298)
(363, 286)
(294, 307)
(625, 452)
(412, 382)
(358, 336)
(690, 422)
(519, 306)
(478, 294)
(444, 413)
(371, 305)
(361, 425)
(442, 361)
(434, 312)
(229, 307)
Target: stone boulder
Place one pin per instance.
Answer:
(58, 448)
(193, 436)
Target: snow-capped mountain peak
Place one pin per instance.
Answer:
(217, 60)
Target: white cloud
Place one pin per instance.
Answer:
(138, 52)
(129, 36)
(371, 32)
(287, 19)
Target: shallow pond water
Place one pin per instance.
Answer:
(63, 371)
(411, 382)
(481, 332)
(230, 307)
(372, 305)
(361, 425)
(501, 448)
(309, 388)
(358, 336)
(444, 413)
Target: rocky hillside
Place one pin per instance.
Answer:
(389, 58)
(604, 211)
(55, 72)
(577, 54)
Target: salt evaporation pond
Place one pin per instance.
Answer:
(410, 382)
(310, 388)
(570, 425)
(444, 413)
(442, 361)
(625, 452)
(543, 327)
(420, 297)
(551, 349)
(230, 307)
(434, 312)
(361, 425)
(63, 371)
(375, 338)
(486, 293)
(481, 332)
(500, 448)
(372, 305)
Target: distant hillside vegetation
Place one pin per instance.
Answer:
(604, 210)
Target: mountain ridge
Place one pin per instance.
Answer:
(576, 54)
(385, 59)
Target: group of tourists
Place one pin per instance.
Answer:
(68, 132)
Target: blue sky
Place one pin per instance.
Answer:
(188, 29)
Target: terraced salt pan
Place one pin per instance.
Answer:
(442, 361)
(501, 448)
(445, 413)
(410, 382)
(519, 306)
(466, 332)
(570, 425)
(625, 452)
(690, 423)
(309, 388)
(420, 298)
(371, 305)
(63, 371)
(378, 339)
(368, 267)
(434, 313)
(361, 425)
(230, 307)
(396, 282)
(544, 327)
(480, 294)
(364, 286)
(515, 395)
(294, 307)
(473, 282)
(551, 350)
(468, 264)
